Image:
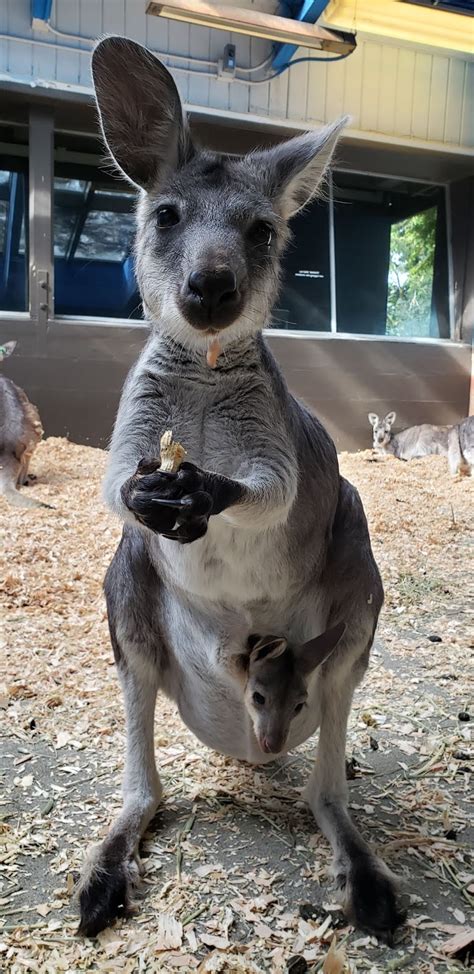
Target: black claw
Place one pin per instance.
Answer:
(178, 502)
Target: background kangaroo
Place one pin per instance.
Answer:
(416, 441)
(461, 447)
(20, 433)
(269, 533)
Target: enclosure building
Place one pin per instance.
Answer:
(376, 309)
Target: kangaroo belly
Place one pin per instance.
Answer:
(237, 566)
(199, 679)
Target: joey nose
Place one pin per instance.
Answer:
(214, 289)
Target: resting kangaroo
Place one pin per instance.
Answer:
(257, 528)
(20, 433)
(409, 444)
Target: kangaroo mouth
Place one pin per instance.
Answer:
(210, 322)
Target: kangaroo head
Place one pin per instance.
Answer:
(277, 682)
(382, 428)
(211, 228)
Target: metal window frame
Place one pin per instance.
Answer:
(41, 246)
(40, 218)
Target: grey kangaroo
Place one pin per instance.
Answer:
(275, 677)
(257, 526)
(461, 447)
(416, 441)
(20, 433)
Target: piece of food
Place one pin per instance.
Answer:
(172, 454)
(213, 352)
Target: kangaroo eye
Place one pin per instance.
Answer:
(166, 217)
(261, 234)
(298, 708)
(258, 699)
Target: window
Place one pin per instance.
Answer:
(13, 234)
(305, 296)
(94, 227)
(391, 257)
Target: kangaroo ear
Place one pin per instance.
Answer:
(140, 111)
(292, 171)
(316, 651)
(266, 647)
(7, 349)
(390, 419)
(373, 419)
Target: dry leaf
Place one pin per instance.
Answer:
(335, 960)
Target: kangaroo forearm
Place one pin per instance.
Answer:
(262, 501)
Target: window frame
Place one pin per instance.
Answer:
(41, 156)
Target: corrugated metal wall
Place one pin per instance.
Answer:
(396, 90)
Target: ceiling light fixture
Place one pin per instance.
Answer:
(254, 23)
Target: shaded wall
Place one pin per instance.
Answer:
(76, 380)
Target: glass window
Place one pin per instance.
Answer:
(94, 227)
(305, 296)
(391, 257)
(13, 211)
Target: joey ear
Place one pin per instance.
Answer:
(313, 653)
(140, 111)
(390, 419)
(292, 171)
(373, 419)
(267, 647)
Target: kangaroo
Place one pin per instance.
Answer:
(257, 522)
(276, 679)
(461, 447)
(20, 433)
(409, 444)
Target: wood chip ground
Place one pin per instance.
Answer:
(237, 875)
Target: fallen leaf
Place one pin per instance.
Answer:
(335, 960)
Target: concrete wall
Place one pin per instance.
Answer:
(402, 91)
(76, 375)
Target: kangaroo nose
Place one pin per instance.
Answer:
(214, 288)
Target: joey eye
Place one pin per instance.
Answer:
(298, 708)
(166, 217)
(258, 699)
(261, 233)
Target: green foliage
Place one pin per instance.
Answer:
(410, 280)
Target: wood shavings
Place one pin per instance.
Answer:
(335, 960)
(234, 853)
(169, 932)
(460, 944)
